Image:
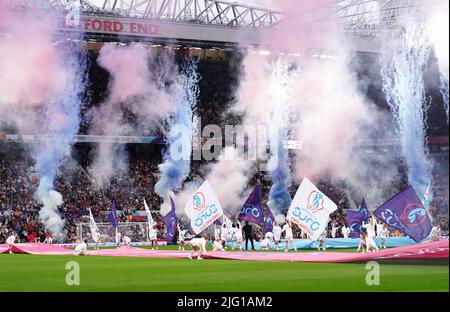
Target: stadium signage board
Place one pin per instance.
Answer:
(310, 209)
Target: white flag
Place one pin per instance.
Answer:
(95, 233)
(149, 214)
(203, 208)
(310, 209)
(227, 221)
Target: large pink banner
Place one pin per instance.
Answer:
(431, 250)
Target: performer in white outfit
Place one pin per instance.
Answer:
(181, 237)
(265, 244)
(216, 232)
(383, 234)
(276, 235)
(345, 231)
(224, 234)
(118, 238)
(269, 236)
(199, 246)
(370, 237)
(238, 237)
(126, 240)
(379, 226)
(217, 246)
(436, 233)
(10, 241)
(81, 249)
(362, 242)
(153, 235)
(334, 230)
(48, 240)
(289, 236)
(322, 241)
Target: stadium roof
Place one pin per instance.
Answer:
(217, 12)
(218, 20)
(360, 17)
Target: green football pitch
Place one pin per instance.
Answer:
(48, 273)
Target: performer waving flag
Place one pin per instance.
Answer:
(268, 220)
(95, 233)
(310, 209)
(252, 210)
(355, 219)
(151, 223)
(170, 220)
(113, 220)
(406, 213)
(203, 208)
(149, 214)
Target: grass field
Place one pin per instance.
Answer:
(48, 273)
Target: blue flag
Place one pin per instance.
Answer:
(252, 210)
(355, 219)
(406, 213)
(112, 217)
(170, 220)
(268, 220)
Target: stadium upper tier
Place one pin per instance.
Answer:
(224, 22)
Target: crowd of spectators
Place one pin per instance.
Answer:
(19, 208)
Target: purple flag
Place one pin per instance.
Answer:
(406, 213)
(170, 220)
(112, 217)
(252, 210)
(355, 219)
(268, 220)
(364, 210)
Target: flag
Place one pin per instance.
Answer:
(310, 209)
(252, 210)
(149, 214)
(268, 220)
(95, 233)
(203, 208)
(227, 221)
(170, 220)
(355, 219)
(426, 197)
(406, 213)
(112, 217)
(364, 210)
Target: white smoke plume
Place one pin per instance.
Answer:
(133, 86)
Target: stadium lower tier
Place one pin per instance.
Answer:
(428, 250)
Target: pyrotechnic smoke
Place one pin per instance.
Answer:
(180, 127)
(41, 83)
(438, 34)
(404, 61)
(328, 111)
(229, 178)
(135, 87)
(279, 164)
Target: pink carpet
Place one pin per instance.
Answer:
(37, 249)
(4, 248)
(419, 251)
(432, 250)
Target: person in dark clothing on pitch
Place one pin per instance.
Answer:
(248, 233)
